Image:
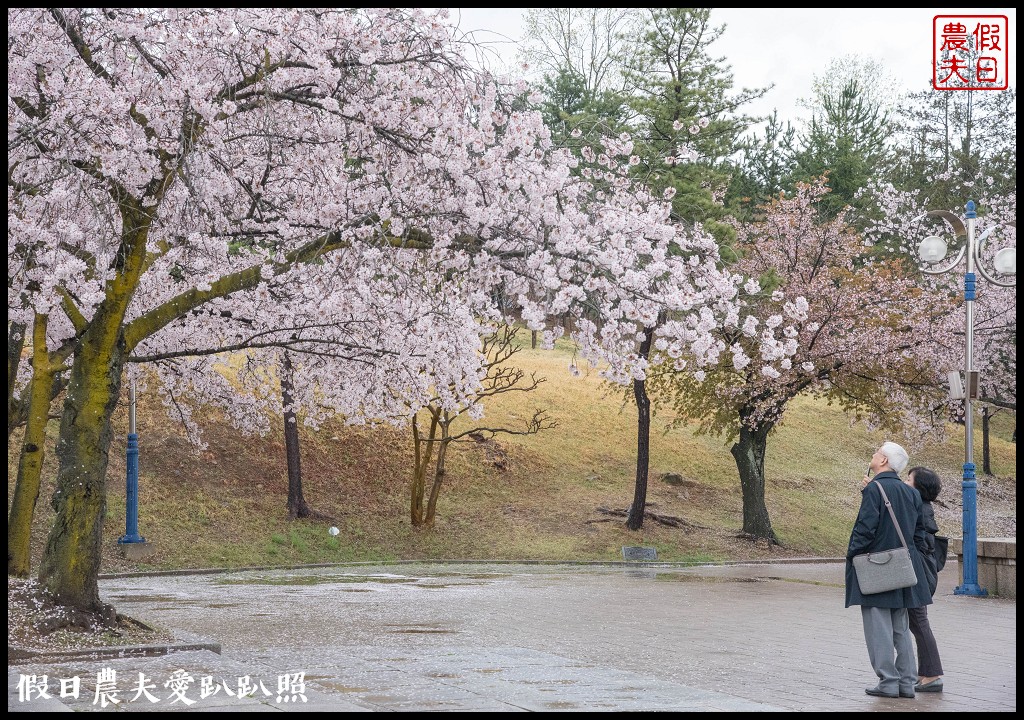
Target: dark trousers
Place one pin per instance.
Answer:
(928, 663)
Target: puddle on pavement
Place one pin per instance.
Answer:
(173, 603)
(342, 688)
(467, 576)
(147, 598)
(316, 580)
(421, 631)
(483, 576)
(560, 705)
(488, 671)
(547, 682)
(443, 675)
(808, 582)
(679, 577)
(441, 586)
(383, 699)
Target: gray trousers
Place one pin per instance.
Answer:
(887, 632)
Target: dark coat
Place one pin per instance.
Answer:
(928, 556)
(873, 532)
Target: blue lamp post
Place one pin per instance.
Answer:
(131, 520)
(931, 251)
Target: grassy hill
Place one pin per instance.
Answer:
(225, 506)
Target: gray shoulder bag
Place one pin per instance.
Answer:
(886, 570)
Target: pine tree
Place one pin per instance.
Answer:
(849, 140)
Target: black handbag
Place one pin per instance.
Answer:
(886, 570)
(941, 550)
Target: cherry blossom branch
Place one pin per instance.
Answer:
(80, 46)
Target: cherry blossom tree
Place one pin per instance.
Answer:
(357, 358)
(674, 276)
(850, 333)
(180, 169)
(899, 230)
(157, 142)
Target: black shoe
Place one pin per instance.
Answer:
(906, 693)
(933, 686)
(878, 692)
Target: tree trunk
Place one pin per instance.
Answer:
(15, 342)
(423, 450)
(635, 520)
(71, 560)
(73, 549)
(19, 408)
(439, 470)
(533, 339)
(986, 457)
(749, 451)
(297, 507)
(30, 465)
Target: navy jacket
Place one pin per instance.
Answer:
(873, 532)
(931, 567)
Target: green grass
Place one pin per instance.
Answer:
(225, 505)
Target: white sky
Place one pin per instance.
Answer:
(788, 46)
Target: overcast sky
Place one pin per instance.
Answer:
(789, 46)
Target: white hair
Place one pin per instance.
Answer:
(898, 458)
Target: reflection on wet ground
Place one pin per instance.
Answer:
(533, 637)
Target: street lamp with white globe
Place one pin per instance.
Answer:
(931, 251)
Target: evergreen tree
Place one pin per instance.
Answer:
(765, 169)
(848, 140)
(569, 104)
(677, 80)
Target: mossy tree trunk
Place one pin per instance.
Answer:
(71, 560)
(73, 549)
(749, 451)
(30, 464)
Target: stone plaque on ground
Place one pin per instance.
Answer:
(636, 552)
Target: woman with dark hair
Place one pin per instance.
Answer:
(929, 667)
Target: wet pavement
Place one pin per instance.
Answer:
(524, 638)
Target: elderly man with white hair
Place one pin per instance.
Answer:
(886, 621)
